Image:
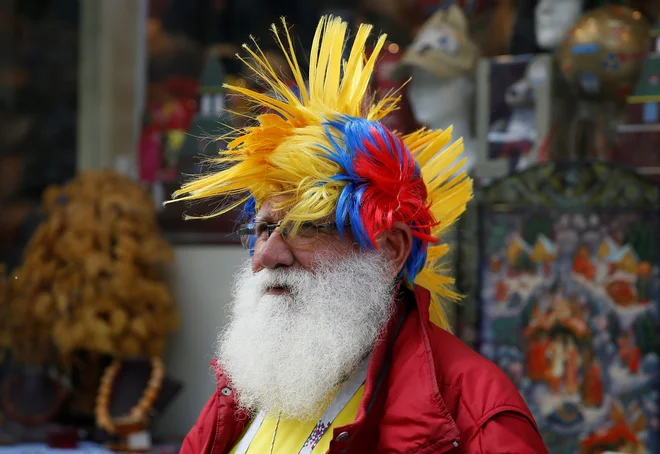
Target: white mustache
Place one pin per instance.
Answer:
(292, 280)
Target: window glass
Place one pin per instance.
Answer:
(38, 111)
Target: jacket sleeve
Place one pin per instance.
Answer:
(201, 435)
(506, 433)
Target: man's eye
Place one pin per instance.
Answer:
(307, 229)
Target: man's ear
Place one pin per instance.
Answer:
(396, 244)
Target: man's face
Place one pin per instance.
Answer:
(275, 251)
(302, 319)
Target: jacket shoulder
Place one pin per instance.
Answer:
(472, 386)
(203, 432)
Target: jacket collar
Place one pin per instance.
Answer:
(410, 320)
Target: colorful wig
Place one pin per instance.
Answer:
(324, 147)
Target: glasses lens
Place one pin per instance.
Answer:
(306, 234)
(248, 234)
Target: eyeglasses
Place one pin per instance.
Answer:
(306, 234)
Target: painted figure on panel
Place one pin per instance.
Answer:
(570, 308)
(621, 436)
(554, 340)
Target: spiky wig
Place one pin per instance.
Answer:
(324, 147)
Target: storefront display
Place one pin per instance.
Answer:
(569, 292)
(90, 288)
(640, 130)
(441, 64)
(184, 128)
(179, 130)
(131, 391)
(165, 125)
(514, 112)
(38, 51)
(601, 58)
(564, 298)
(553, 19)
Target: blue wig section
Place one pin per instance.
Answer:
(416, 259)
(358, 131)
(249, 211)
(253, 240)
(354, 133)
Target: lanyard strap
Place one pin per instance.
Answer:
(250, 434)
(345, 394)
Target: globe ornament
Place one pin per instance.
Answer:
(602, 55)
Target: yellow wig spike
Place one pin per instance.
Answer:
(289, 151)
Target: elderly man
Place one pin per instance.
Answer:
(338, 342)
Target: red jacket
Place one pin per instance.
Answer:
(426, 392)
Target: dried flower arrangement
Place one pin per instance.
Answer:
(91, 275)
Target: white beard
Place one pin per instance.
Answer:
(286, 354)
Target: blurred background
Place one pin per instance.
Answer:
(110, 304)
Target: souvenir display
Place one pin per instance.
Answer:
(601, 58)
(638, 135)
(176, 98)
(553, 18)
(208, 124)
(136, 416)
(441, 63)
(514, 112)
(490, 22)
(570, 296)
(130, 393)
(90, 284)
(91, 273)
(187, 147)
(602, 54)
(165, 125)
(541, 25)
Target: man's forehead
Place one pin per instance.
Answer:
(275, 209)
(272, 210)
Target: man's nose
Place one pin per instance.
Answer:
(272, 253)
